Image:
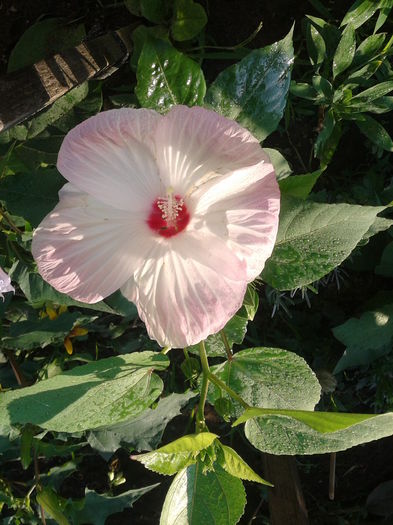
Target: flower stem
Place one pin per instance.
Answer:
(200, 419)
(165, 350)
(226, 344)
(214, 379)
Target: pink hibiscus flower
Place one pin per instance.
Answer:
(178, 211)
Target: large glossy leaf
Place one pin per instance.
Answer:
(32, 195)
(196, 497)
(313, 239)
(178, 454)
(90, 396)
(254, 91)
(300, 432)
(143, 432)
(267, 377)
(167, 77)
(366, 338)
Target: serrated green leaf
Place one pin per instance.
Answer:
(254, 91)
(166, 77)
(195, 497)
(299, 185)
(359, 12)
(366, 338)
(143, 432)
(189, 18)
(375, 132)
(178, 454)
(345, 51)
(313, 239)
(299, 432)
(90, 396)
(237, 467)
(267, 377)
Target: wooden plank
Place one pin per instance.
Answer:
(286, 501)
(25, 92)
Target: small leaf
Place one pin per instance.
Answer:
(90, 396)
(385, 6)
(315, 45)
(360, 12)
(254, 91)
(280, 165)
(375, 132)
(196, 498)
(178, 454)
(155, 11)
(189, 18)
(299, 432)
(237, 467)
(313, 239)
(345, 51)
(299, 185)
(49, 501)
(166, 77)
(368, 49)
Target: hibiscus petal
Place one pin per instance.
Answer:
(194, 144)
(187, 289)
(86, 249)
(111, 157)
(243, 208)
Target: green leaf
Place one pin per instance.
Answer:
(267, 377)
(153, 10)
(97, 507)
(32, 195)
(315, 45)
(280, 165)
(195, 497)
(189, 18)
(254, 91)
(323, 87)
(374, 92)
(43, 39)
(366, 338)
(166, 77)
(299, 432)
(368, 49)
(299, 185)
(331, 34)
(143, 432)
(385, 6)
(230, 461)
(90, 396)
(380, 500)
(178, 454)
(329, 123)
(360, 12)
(313, 239)
(303, 90)
(375, 132)
(39, 293)
(40, 333)
(385, 266)
(49, 501)
(235, 329)
(345, 51)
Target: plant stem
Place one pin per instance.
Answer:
(226, 344)
(200, 419)
(214, 379)
(165, 350)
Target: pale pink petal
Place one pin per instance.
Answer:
(87, 249)
(111, 157)
(194, 145)
(5, 283)
(241, 208)
(187, 289)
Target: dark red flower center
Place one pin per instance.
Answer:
(169, 215)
